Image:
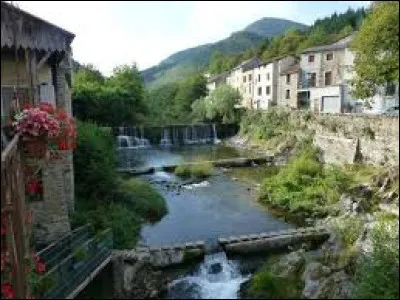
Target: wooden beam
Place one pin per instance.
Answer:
(43, 60)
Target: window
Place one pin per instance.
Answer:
(268, 90)
(390, 89)
(287, 78)
(249, 77)
(259, 77)
(328, 78)
(287, 94)
(311, 58)
(268, 76)
(329, 56)
(244, 78)
(312, 80)
(249, 87)
(259, 91)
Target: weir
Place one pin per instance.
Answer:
(137, 137)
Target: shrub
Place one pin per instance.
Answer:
(303, 185)
(198, 170)
(142, 198)
(94, 165)
(377, 274)
(202, 170)
(265, 284)
(183, 171)
(348, 229)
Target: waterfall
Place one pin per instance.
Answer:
(216, 278)
(128, 138)
(216, 140)
(165, 141)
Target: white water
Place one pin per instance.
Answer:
(222, 283)
(196, 185)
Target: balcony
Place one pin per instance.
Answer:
(306, 84)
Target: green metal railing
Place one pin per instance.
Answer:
(67, 270)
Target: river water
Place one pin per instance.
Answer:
(220, 206)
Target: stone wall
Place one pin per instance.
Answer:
(50, 216)
(272, 241)
(341, 136)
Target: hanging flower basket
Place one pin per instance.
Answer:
(35, 147)
(36, 125)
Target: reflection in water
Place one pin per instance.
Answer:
(158, 157)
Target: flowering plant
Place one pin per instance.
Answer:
(37, 121)
(34, 265)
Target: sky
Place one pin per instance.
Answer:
(111, 33)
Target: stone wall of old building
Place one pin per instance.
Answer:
(51, 217)
(346, 137)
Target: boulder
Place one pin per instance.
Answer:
(335, 286)
(291, 263)
(363, 190)
(215, 268)
(315, 271)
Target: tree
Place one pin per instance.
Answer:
(88, 74)
(376, 49)
(220, 105)
(110, 101)
(189, 90)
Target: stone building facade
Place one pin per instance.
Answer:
(36, 67)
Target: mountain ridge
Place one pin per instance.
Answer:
(187, 61)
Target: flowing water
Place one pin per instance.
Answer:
(216, 278)
(220, 206)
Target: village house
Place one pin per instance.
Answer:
(288, 83)
(324, 75)
(36, 66)
(266, 82)
(241, 78)
(217, 80)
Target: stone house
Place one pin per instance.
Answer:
(217, 80)
(266, 80)
(288, 82)
(324, 75)
(36, 66)
(242, 79)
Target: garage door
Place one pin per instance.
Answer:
(331, 104)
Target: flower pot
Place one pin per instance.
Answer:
(35, 146)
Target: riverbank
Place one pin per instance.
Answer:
(357, 203)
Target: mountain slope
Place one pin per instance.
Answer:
(189, 61)
(270, 27)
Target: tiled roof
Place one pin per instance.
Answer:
(341, 44)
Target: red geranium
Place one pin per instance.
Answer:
(7, 290)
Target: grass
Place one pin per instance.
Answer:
(304, 185)
(143, 199)
(377, 274)
(197, 170)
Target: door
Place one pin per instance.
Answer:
(331, 104)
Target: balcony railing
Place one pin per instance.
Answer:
(66, 271)
(306, 84)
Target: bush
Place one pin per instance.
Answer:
(303, 185)
(199, 170)
(94, 165)
(103, 198)
(202, 170)
(348, 229)
(183, 171)
(143, 199)
(377, 274)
